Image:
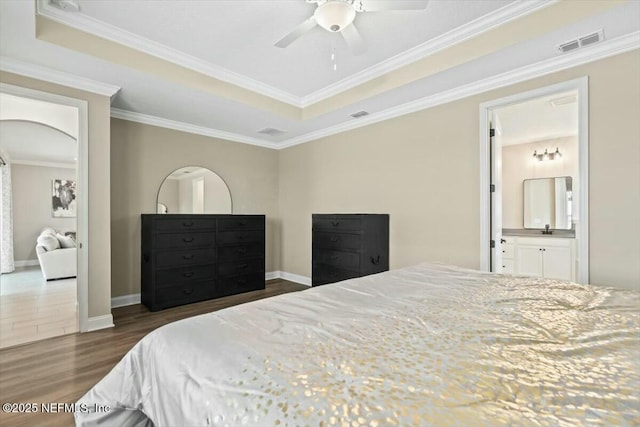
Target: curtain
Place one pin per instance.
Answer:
(6, 217)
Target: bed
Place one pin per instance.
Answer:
(432, 344)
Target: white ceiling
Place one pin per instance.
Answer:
(539, 119)
(37, 144)
(38, 132)
(233, 40)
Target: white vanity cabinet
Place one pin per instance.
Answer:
(508, 252)
(548, 257)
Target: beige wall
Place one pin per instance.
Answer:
(31, 191)
(518, 164)
(99, 254)
(142, 156)
(423, 169)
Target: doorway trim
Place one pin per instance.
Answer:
(580, 84)
(82, 165)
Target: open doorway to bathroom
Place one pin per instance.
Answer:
(39, 223)
(534, 170)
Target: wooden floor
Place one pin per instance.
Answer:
(32, 309)
(63, 369)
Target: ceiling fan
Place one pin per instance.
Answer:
(336, 16)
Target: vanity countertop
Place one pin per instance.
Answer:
(523, 232)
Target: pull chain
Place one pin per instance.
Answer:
(333, 59)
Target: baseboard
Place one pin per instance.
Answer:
(99, 322)
(125, 300)
(26, 263)
(303, 280)
(270, 275)
(132, 299)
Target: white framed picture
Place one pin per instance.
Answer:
(63, 199)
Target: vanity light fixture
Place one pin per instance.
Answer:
(546, 155)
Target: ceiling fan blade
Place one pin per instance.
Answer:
(297, 32)
(353, 39)
(380, 5)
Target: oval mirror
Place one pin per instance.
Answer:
(193, 190)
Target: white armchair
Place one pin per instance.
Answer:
(55, 262)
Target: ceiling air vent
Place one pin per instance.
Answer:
(591, 38)
(272, 131)
(67, 5)
(581, 42)
(569, 46)
(359, 114)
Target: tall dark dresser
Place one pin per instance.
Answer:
(188, 258)
(345, 246)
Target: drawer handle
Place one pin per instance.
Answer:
(187, 291)
(187, 240)
(335, 238)
(334, 257)
(241, 236)
(241, 251)
(187, 224)
(190, 256)
(503, 241)
(188, 274)
(242, 266)
(145, 257)
(375, 261)
(241, 281)
(242, 223)
(335, 223)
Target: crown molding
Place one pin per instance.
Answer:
(469, 30)
(596, 52)
(101, 29)
(189, 128)
(15, 66)
(45, 164)
(464, 32)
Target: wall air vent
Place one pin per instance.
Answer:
(272, 131)
(581, 41)
(359, 114)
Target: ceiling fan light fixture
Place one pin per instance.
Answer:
(334, 15)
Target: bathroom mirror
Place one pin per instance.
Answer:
(547, 201)
(193, 190)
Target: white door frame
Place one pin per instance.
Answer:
(82, 220)
(582, 230)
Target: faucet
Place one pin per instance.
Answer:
(546, 230)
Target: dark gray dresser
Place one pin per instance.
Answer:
(188, 258)
(345, 246)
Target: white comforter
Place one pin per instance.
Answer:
(426, 345)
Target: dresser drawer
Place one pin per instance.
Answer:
(183, 224)
(184, 240)
(237, 252)
(185, 293)
(187, 257)
(240, 224)
(347, 260)
(323, 274)
(238, 284)
(337, 224)
(226, 237)
(172, 276)
(236, 268)
(336, 240)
